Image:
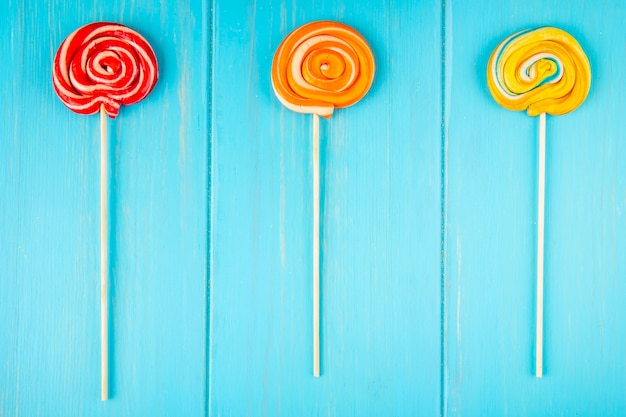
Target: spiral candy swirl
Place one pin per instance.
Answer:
(541, 71)
(104, 64)
(320, 66)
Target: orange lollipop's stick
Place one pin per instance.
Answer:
(318, 67)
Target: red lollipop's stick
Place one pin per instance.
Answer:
(97, 68)
(104, 258)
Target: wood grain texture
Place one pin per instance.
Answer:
(491, 230)
(49, 230)
(384, 192)
(380, 218)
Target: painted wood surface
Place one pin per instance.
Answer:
(380, 219)
(49, 231)
(428, 222)
(491, 231)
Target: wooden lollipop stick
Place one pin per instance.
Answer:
(316, 246)
(540, 239)
(104, 264)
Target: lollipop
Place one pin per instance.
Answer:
(540, 71)
(97, 68)
(319, 67)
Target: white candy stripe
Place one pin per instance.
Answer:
(94, 101)
(523, 69)
(494, 67)
(142, 74)
(529, 64)
(96, 65)
(90, 88)
(301, 52)
(113, 53)
(321, 111)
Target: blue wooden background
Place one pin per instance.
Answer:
(428, 221)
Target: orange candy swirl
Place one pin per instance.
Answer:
(320, 66)
(104, 64)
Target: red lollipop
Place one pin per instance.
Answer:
(104, 64)
(97, 68)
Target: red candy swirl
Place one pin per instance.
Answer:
(104, 64)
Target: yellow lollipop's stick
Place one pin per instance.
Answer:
(541, 194)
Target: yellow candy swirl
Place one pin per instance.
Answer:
(541, 71)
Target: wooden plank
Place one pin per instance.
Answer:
(491, 230)
(49, 228)
(380, 182)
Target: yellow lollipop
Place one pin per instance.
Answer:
(540, 71)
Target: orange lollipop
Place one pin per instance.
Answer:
(318, 67)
